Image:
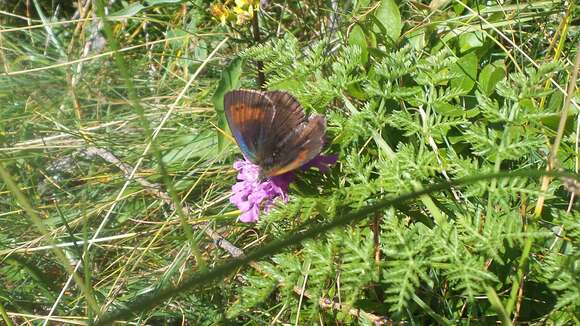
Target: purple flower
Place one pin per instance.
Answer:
(249, 193)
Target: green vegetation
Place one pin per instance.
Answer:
(453, 201)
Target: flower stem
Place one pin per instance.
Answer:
(258, 40)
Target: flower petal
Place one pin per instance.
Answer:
(250, 193)
(251, 216)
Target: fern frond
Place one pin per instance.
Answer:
(406, 266)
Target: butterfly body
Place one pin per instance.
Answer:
(272, 131)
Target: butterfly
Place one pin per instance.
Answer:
(272, 131)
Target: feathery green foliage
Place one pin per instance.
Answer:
(428, 93)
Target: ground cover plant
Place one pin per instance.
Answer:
(455, 125)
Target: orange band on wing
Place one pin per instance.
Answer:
(300, 160)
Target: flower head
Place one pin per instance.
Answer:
(221, 13)
(240, 11)
(250, 194)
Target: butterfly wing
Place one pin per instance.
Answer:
(292, 140)
(249, 115)
(288, 117)
(288, 114)
(305, 144)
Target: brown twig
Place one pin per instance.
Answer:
(377, 219)
(157, 191)
(258, 40)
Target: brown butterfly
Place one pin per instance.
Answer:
(272, 131)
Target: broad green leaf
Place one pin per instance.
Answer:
(389, 16)
(466, 70)
(286, 84)
(490, 75)
(151, 3)
(448, 109)
(195, 145)
(471, 112)
(555, 105)
(356, 91)
(130, 10)
(178, 43)
(555, 102)
(360, 5)
(357, 37)
(371, 39)
(470, 41)
(417, 38)
(230, 80)
(527, 104)
(457, 7)
(438, 4)
(136, 7)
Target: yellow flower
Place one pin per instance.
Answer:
(247, 3)
(244, 10)
(241, 10)
(220, 12)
